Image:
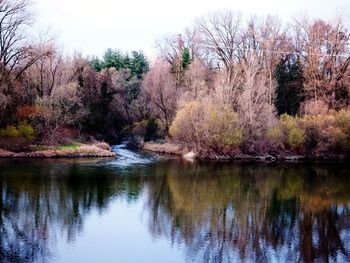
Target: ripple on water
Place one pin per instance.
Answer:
(126, 157)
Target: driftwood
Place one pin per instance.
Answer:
(268, 158)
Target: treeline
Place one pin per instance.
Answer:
(225, 86)
(50, 98)
(257, 87)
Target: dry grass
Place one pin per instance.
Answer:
(166, 148)
(68, 151)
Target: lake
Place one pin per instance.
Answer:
(142, 207)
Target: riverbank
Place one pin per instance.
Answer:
(75, 150)
(173, 149)
(164, 148)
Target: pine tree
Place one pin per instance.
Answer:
(290, 90)
(186, 58)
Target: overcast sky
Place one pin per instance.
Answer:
(93, 26)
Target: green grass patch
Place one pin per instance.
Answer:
(70, 146)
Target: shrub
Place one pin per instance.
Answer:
(275, 133)
(151, 129)
(140, 128)
(287, 134)
(322, 133)
(26, 112)
(296, 137)
(9, 132)
(17, 137)
(26, 131)
(209, 128)
(185, 123)
(342, 120)
(147, 129)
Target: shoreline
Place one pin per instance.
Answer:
(163, 148)
(173, 149)
(97, 150)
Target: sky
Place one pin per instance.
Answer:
(92, 26)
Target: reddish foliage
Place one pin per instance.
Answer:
(26, 112)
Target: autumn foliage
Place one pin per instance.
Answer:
(223, 87)
(210, 129)
(312, 134)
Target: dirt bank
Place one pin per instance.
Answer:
(75, 151)
(165, 148)
(173, 149)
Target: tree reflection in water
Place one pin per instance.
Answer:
(217, 212)
(38, 201)
(253, 213)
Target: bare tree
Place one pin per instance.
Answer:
(268, 43)
(44, 73)
(63, 107)
(323, 48)
(159, 85)
(14, 19)
(16, 52)
(196, 80)
(253, 104)
(72, 68)
(221, 38)
(168, 48)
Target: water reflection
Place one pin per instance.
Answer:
(254, 213)
(215, 212)
(39, 201)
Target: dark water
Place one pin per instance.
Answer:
(144, 208)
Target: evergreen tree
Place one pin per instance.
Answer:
(290, 88)
(96, 64)
(139, 64)
(113, 59)
(186, 58)
(127, 60)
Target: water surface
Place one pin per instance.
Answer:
(147, 208)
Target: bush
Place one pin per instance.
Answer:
(151, 130)
(287, 134)
(342, 120)
(9, 132)
(296, 137)
(147, 129)
(26, 131)
(322, 133)
(26, 112)
(17, 137)
(139, 128)
(209, 128)
(53, 115)
(313, 134)
(275, 134)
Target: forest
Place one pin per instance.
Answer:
(227, 85)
